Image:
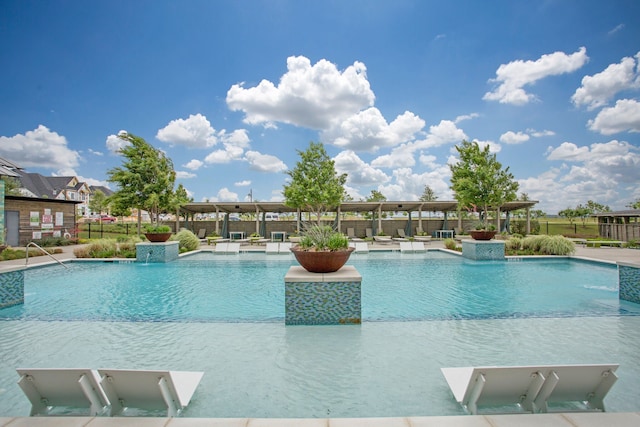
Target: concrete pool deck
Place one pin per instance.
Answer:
(581, 419)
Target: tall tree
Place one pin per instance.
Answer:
(634, 205)
(479, 181)
(315, 185)
(179, 198)
(98, 202)
(145, 179)
(428, 195)
(11, 186)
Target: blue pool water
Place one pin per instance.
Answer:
(208, 288)
(438, 311)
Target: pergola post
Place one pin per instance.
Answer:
(528, 221)
(339, 219)
(379, 218)
(498, 217)
(257, 220)
(217, 221)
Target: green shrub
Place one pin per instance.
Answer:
(187, 241)
(450, 244)
(513, 243)
(108, 248)
(322, 238)
(548, 245)
(157, 228)
(634, 244)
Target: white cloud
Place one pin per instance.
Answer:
(194, 164)
(115, 144)
(95, 153)
(512, 77)
(368, 131)
(40, 148)
(511, 137)
(466, 117)
(185, 175)
(225, 195)
(239, 137)
(312, 96)
(401, 156)
(265, 162)
(598, 170)
(358, 172)
(624, 116)
(617, 28)
(226, 155)
(539, 134)
(407, 185)
(445, 132)
(193, 132)
(244, 183)
(599, 89)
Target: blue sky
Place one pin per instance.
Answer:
(230, 90)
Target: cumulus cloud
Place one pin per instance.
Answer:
(515, 75)
(445, 132)
(598, 170)
(115, 144)
(225, 195)
(407, 185)
(193, 132)
(599, 89)
(194, 164)
(358, 172)
(265, 162)
(185, 175)
(511, 137)
(401, 156)
(539, 134)
(244, 183)
(312, 96)
(624, 116)
(40, 148)
(369, 131)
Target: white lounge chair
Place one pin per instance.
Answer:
(284, 247)
(530, 388)
(406, 246)
(271, 248)
(202, 234)
(361, 247)
(351, 235)
(418, 247)
(47, 389)
(221, 248)
(402, 237)
(149, 390)
(233, 248)
(383, 239)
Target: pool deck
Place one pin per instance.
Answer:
(574, 419)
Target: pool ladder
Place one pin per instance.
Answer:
(51, 256)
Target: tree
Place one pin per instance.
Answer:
(570, 214)
(634, 205)
(11, 186)
(315, 185)
(428, 195)
(595, 208)
(145, 179)
(179, 198)
(375, 196)
(479, 181)
(98, 202)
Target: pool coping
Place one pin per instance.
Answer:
(571, 419)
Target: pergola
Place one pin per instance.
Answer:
(377, 208)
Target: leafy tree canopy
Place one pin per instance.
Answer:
(145, 179)
(479, 181)
(428, 195)
(315, 185)
(98, 202)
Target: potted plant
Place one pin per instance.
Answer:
(157, 233)
(322, 249)
(483, 232)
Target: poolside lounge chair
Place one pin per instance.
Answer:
(402, 236)
(271, 248)
(284, 247)
(70, 388)
(406, 247)
(149, 390)
(418, 247)
(383, 239)
(351, 235)
(530, 388)
(202, 234)
(369, 233)
(360, 247)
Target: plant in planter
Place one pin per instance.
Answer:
(322, 249)
(157, 233)
(483, 232)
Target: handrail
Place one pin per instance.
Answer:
(52, 257)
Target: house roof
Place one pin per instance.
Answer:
(8, 168)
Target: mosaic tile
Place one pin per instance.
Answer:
(322, 303)
(11, 288)
(629, 283)
(483, 250)
(157, 252)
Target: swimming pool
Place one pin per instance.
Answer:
(380, 368)
(210, 288)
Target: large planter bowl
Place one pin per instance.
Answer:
(157, 237)
(322, 261)
(482, 234)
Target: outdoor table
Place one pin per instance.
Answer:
(278, 236)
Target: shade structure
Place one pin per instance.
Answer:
(225, 227)
(407, 228)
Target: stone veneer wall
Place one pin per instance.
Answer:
(629, 282)
(323, 299)
(157, 252)
(483, 249)
(11, 288)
